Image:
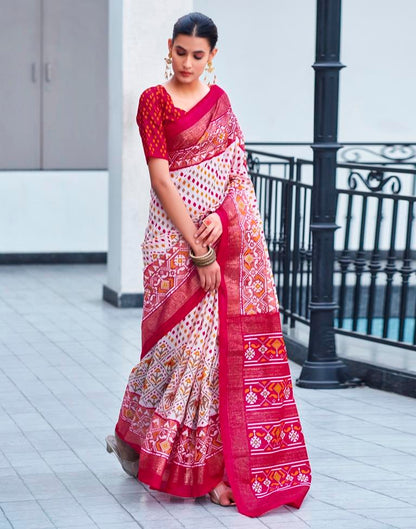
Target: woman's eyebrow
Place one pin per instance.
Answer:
(184, 49)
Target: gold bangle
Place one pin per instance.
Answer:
(203, 260)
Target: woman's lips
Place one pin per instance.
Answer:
(185, 73)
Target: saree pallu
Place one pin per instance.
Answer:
(213, 388)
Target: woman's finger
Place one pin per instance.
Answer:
(204, 234)
(217, 280)
(207, 225)
(206, 238)
(202, 280)
(213, 237)
(200, 230)
(208, 284)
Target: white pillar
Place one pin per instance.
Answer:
(138, 34)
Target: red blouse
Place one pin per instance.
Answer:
(155, 111)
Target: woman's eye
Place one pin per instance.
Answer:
(198, 57)
(180, 53)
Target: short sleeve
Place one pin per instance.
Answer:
(150, 122)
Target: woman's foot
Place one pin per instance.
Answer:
(125, 451)
(222, 495)
(127, 457)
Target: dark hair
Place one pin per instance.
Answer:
(197, 25)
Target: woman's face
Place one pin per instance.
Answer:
(189, 57)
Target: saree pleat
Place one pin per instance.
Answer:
(213, 392)
(170, 409)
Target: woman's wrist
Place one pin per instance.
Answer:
(201, 261)
(198, 249)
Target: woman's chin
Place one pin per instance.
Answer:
(186, 79)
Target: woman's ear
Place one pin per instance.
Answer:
(213, 53)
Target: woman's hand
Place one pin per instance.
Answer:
(210, 276)
(210, 230)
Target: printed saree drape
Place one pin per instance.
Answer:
(213, 389)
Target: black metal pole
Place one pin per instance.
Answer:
(323, 369)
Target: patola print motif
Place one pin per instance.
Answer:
(213, 388)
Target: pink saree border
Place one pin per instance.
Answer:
(239, 461)
(196, 112)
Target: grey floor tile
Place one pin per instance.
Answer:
(144, 507)
(158, 524)
(207, 523)
(47, 441)
(33, 467)
(243, 523)
(31, 422)
(346, 524)
(387, 515)
(63, 510)
(113, 516)
(288, 525)
(403, 523)
(46, 486)
(26, 515)
(119, 525)
(12, 488)
(84, 526)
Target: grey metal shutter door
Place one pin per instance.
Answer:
(75, 94)
(20, 97)
(53, 84)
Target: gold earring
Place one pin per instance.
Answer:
(168, 66)
(210, 77)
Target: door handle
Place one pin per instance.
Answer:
(34, 72)
(48, 72)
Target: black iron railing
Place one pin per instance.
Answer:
(375, 268)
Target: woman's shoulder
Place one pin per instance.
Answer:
(220, 93)
(217, 88)
(221, 96)
(153, 95)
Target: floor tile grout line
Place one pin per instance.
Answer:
(5, 515)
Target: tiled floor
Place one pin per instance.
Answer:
(64, 359)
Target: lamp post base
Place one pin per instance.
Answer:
(326, 375)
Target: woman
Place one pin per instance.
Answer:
(209, 409)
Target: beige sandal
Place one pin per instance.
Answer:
(218, 493)
(130, 467)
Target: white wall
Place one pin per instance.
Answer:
(265, 52)
(53, 211)
(378, 87)
(266, 49)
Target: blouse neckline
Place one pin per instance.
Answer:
(192, 108)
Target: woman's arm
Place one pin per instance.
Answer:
(176, 210)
